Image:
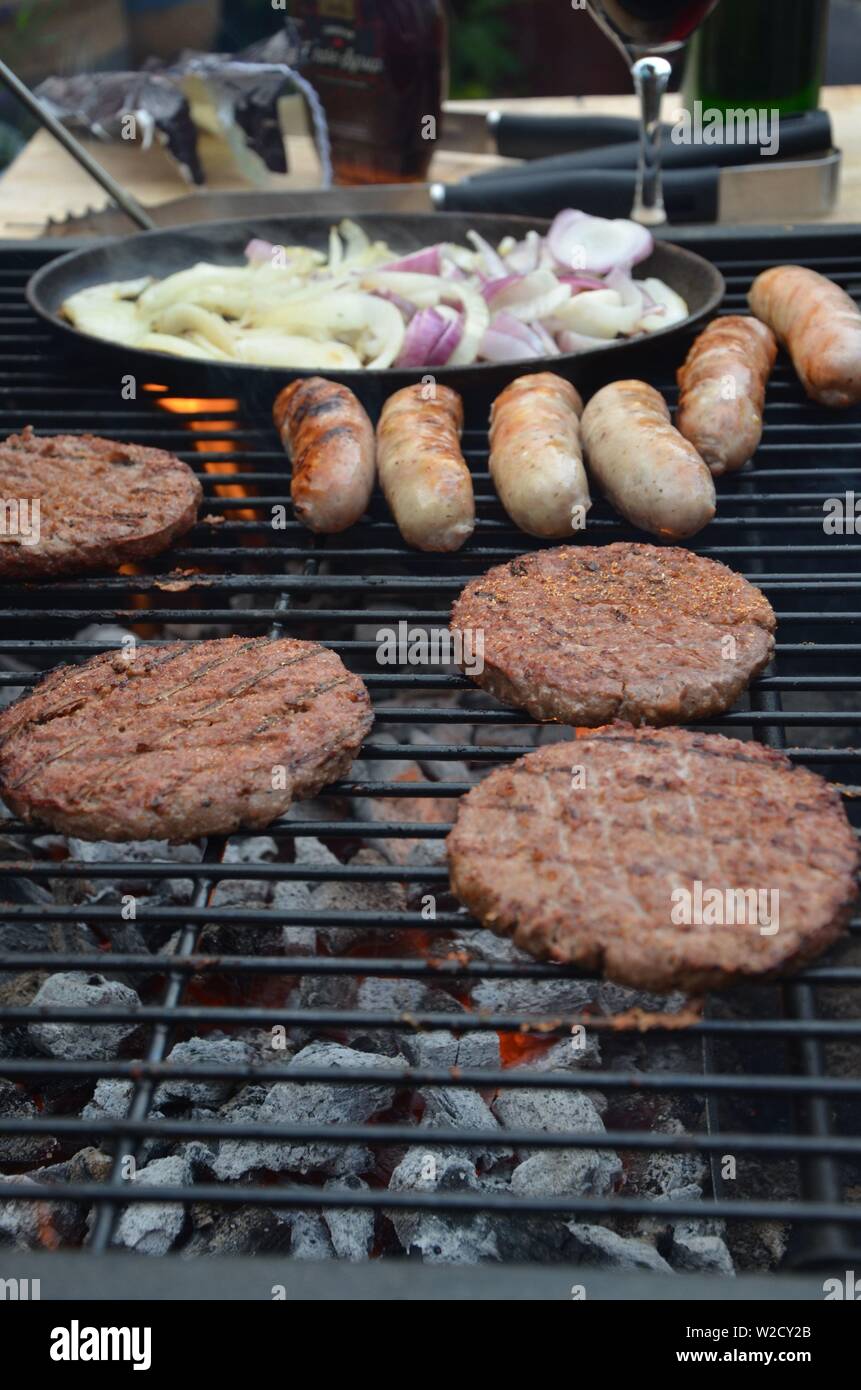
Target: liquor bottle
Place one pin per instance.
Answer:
(380, 69)
(759, 54)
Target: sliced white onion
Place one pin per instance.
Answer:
(525, 255)
(597, 244)
(492, 262)
(599, 314)
(533, 296)
(579, 342)
(675, 310)
(491, 288)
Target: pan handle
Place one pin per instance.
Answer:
(123, 200)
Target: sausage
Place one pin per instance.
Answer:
(820, 327)
(536, 460)
(723, 386)
(330, 443)
(650, 473)
(422, 470)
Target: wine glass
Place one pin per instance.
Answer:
(646, 30)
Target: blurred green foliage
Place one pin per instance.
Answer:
(483, 48)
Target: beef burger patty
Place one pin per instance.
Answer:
(184, 740)
(588, 634)
(100, 503)
(577, 850)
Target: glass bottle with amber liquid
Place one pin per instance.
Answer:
(380, 70)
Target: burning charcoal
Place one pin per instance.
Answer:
(471, 1052)
(572, 1172)
(314, 1103)
(310, 1237)
(458, 1108)
(82, 1041)
(23, 1149)
(564, 1056)
(356, 897)
(660, 1173)
(351, 1229)
(31, 937)
(441, 1237)
(159, 890)
(531, 997)
(549, 1112)
(153, 1228)
(36, 1225)
(596, 1245)
(110, 1100)
(383, 995)
(208, 1051)
(244, 1231)
(328, 992)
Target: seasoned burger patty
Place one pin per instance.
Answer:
(181, 740)
(100, 503)
(577, 850)
(588, 634)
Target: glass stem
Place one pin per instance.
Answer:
(651, 78)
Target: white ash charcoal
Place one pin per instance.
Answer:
(313, 1103)
(605, 1249)
(458, 1107)
(530, 997)
(82, 1041)
(239, 1231)
(23, 1149)
(29, 1225)
(483, 945)
(309, 851)
(209, 1051)
(381, 994)
(153, 1228)
(346, 896)
(441, 1237)
(699, 1251)
(110, 1100)
(474, 1051)
(351, 1229)
(548, 1112)
(446, 771)
(430, 810)
(310, 1237)
(25, 938)
(567, 1172)
(154, 852)
(19, 1221)
(659, 1173)
(570, 1054)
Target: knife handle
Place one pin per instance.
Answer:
(691, 195)
(808, 133)
(529, 137)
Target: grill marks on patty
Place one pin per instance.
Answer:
(585, 874)
(101, 503)
(587, 634)
(181, 741)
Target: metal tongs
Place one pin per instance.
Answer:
(115, 191)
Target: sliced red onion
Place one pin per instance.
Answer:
(424, 262)
(430, 339)
(579, 283)
(491, 288)
(494, 265)
(508, 339)
(407, 309)
(258, 250)
(547, 342)
(597, 245)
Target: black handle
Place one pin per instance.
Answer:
(529, 137)
(691, 195)
(809, 133)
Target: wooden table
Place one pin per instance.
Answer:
(44, 182)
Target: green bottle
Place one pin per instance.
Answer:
(758, 53)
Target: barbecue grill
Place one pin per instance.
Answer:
(767, 1076)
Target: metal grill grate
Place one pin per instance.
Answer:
(775, 1070)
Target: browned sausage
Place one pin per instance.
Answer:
(536, 459)
(820, 327)
(422, 470)
(330, 442)
(723, 386)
